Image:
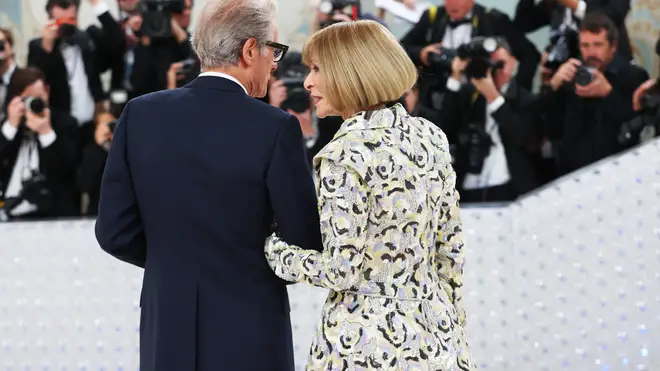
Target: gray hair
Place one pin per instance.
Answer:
(224, 25)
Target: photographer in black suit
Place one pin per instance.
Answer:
(563, 15)
(37, 148)
(589, 102)
(159, 46)
(445, 28)
(72, 60)
(489, 122)
(7, 68)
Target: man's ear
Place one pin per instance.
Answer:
(250, 51)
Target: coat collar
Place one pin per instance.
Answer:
(374, 119)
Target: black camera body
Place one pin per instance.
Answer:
(477, 52)
(36, 191)
(292, 73)
(584, 75)
(331, 7)
(157, 17)
(650, 100)
(473, 147)
(563, 46)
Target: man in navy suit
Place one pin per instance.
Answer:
(194, 179)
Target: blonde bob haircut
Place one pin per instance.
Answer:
(362, 65)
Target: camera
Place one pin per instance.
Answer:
(157, 17)
(189, 70)
(2, 46)
(34, 190)
(646, 125)
(563, 46)
(35, 105)
(477, 52)
(331, 7)
(474, 145)
(66, 29)
(650, 100)
(292, 73)
(584, 75)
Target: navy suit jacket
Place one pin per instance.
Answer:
(193, 182)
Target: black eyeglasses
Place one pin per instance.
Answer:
(279, 50)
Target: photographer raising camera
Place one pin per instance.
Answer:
(39, 147)
(488, 122)
(590, 101)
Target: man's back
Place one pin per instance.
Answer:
(194, 180)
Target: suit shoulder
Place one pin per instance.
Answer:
(35, 43)
(497, 15)
(268, 109)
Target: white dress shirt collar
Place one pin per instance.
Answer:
(224, 76)
(6, 78)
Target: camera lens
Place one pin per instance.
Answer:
(35, 105)
(67, 30)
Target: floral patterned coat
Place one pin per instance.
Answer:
(393, 254)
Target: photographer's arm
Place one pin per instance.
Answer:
(523, 49)
(108, 40)
(415, 40)
(516, 122)
(616, 10)
(530, 15)
(59, 149)
(618, 104)
(8, 134)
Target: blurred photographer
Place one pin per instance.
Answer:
(432, 44)
(646, 101)
(163, 41)
(95, 154)
(564, 18)
(181, 73)
(72, 60)
(286, 91)
(590, 101)
(7, 68)
(489, 122)
(37, 146)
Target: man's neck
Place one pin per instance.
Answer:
(236, 73)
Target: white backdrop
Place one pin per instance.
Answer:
(567, 278)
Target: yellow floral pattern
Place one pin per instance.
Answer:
(393, 254)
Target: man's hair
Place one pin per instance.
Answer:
(23, 78)
(224, 26)
(504, 44)
(51, 3)
(361, 63)
(597, 22)
(8, 35)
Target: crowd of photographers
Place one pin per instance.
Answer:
(477, 73)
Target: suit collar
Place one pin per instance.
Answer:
(214, 82)
(225, 76)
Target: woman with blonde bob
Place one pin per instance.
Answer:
(393, 253)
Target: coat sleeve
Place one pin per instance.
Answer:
(291, 188)
(344, 209)
(449, 242)
(119, 228)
